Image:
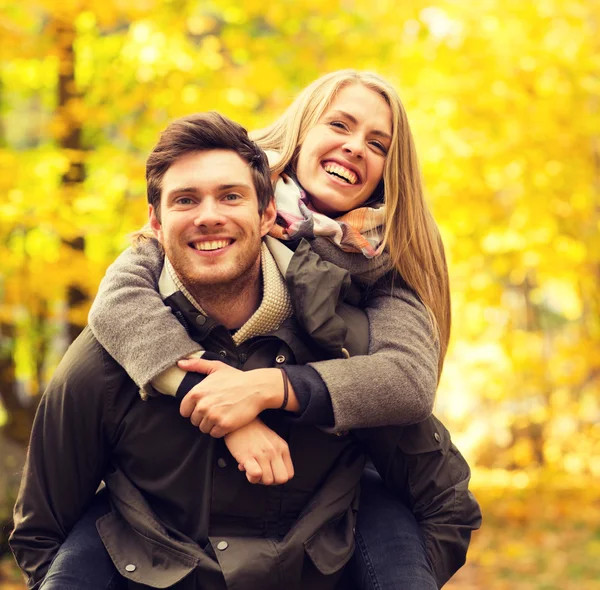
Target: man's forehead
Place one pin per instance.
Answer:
(210, 168)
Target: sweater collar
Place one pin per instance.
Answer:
(275, 306)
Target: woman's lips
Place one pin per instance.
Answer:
(342, 172)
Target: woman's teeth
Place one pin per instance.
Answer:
(341, 172)
(214, 245)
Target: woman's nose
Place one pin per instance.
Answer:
(355, 146)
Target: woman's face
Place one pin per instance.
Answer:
(341, 160)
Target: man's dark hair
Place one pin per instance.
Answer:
(201, 132)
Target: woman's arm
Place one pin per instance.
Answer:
(392, 380)
(132, 323)
(394, 384)
(397, 381)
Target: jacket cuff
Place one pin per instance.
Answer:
(313, 396)
(192, 378)
(187, 383)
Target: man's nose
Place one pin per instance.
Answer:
(209, 214)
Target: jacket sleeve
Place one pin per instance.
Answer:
(132, 323)
(66, 460)
(421, 464)
(397, 381)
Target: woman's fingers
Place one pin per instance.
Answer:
(287, 461)
(253, 470)
(200, 365)
(196, 416)
(280, 472)
(260, 452)
(268, 478)
(205, 424)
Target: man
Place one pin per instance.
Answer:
(183, 514)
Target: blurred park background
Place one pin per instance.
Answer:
(504, 101)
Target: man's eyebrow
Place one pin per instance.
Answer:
(182, 189)
(355, 121)
(221, 187)
(224, 187)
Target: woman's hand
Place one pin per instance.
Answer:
(228, 398)
(261, 453)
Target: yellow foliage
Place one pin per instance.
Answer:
(503, 100)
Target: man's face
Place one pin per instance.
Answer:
(210, 227)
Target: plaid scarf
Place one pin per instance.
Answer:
(360, 230)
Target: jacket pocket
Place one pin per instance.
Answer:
(331, 547)
(141, 559)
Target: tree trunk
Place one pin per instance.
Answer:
(70, 141)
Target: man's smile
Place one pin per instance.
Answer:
(211, 245)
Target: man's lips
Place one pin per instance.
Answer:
(210, 246)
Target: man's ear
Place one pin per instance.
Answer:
(268, 218)
(155, 224)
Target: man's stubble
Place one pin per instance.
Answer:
(220, 297)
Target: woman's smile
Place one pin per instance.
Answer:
(342, 171)
(342, 157)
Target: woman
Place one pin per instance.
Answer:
(343, 145)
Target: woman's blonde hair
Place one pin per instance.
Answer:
(411, 234)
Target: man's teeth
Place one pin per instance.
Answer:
(342, 172)
(214, 245)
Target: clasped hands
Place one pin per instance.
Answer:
(226, 404)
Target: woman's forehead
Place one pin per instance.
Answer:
(362, 104)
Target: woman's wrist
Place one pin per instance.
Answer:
(273, 391)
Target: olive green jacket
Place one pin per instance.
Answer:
(183, 514)
(197, 522)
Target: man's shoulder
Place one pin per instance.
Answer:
(87, 365)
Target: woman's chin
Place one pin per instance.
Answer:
(335, 205)
(330, 207)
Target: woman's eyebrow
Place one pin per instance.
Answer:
(354, 120)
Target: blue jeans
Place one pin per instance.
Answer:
(390, 553)
(82, 562)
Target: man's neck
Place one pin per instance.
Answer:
(231, 304)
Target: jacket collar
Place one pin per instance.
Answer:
(275, 306)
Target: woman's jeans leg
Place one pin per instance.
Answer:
(390, 552)
(82, 562)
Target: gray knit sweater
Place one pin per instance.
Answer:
(394, 384)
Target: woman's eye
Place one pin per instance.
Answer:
(380, 147)
(338, 125)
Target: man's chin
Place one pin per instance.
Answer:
(206, 274)
(212, 279)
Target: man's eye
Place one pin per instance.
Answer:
(232, 197)
(184, 201)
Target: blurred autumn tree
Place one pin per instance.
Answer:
(504, 102)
